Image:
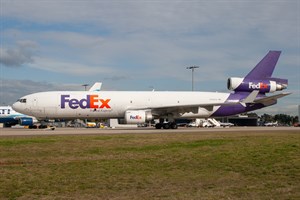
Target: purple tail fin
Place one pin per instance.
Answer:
(265, 67)
(260, 78)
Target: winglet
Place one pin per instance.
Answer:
(96, 87)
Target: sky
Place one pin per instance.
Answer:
(48, 45)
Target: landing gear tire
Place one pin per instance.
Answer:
(158, 126)
(170, 125)
(174, 126)
(166, 126)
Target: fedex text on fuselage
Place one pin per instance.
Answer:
(91, 101)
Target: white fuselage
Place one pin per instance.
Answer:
(114, 104)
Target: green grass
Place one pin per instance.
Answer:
(152, 166)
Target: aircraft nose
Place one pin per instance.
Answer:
(16, 106)
(20, 105)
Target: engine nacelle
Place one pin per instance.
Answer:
(246, 85)
(26, 121)
(138, 116)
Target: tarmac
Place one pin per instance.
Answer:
(8, 132)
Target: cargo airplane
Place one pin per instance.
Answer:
(135, 107)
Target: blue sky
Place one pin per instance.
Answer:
(140, 45)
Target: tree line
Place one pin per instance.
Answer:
(282, 119)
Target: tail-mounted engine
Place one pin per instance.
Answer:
(138, 116)
(264, 86)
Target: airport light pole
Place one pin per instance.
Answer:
(85, 85)
(193, 69)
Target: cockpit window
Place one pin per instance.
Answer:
(22, 100)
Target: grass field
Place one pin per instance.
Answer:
(247, 165)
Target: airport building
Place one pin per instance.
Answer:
(241, 120)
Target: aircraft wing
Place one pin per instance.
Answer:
(17, 117)
(181, 109)
(207, 106)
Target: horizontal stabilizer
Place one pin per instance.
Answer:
(266, 100)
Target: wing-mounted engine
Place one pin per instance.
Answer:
(138, 116)
(27, 121)
(264, 86)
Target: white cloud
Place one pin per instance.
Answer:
(68, 67)
(72, 39)
(158, 16)
(11, 90)
(21, 54)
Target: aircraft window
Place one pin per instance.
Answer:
(22, 100)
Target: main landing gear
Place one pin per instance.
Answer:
(166, 125)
